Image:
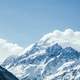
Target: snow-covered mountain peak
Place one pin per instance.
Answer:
(64, 38)
(53, 57)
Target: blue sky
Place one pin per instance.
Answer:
(26, 21)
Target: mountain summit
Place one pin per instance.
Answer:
(47, 59)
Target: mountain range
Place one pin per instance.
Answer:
(45, 60)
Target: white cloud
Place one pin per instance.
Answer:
(8, 48)
(64, 38)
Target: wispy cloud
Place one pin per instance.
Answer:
(8, 48)
(69, 37)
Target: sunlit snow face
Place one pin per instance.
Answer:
(18, 70)
(67, 38)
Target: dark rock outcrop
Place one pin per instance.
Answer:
(5, 75)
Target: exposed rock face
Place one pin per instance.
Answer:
(5, 75)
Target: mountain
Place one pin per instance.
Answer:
(5, 75)
(46, 60)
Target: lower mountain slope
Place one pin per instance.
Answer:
(5, 75)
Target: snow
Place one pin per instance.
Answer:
(27, 49)
(65, 65)
(40, 64)
(65, 39)
(18, 70)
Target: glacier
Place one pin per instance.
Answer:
(50, 58)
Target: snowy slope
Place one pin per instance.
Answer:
(56, 56)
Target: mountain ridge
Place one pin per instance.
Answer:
(48, 59)
(53, 56)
